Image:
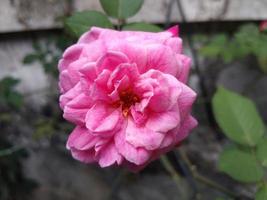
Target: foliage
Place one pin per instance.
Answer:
(262, 193)
(12, 180)
(48, 53)
(9, 97)
(80, 22)
(237, 116)
(248, 40)
(142, 27)
(121, 9)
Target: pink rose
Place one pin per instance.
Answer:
(263, 26)
(126, 93)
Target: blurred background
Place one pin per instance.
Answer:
(228, 48)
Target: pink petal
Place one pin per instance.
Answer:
(76, 116)
(135, 52)
(81, 139)
(90, 35)
(186, 100)
(74, 68)
(174, 30)
(70, 55)
(162, 58)
(169, 140)
(187, 126)
(109, 156)
(102, 119)
(65, 82)
(111, 60)
(134, 155)
(129, 70)
(142, 136)
(94, 50)
(86, 156)
(76, 109)
(166, 90)
(87, 76)
(186, 64)
(175, 44)
(69, 95)
(164, 121)
(99, 90)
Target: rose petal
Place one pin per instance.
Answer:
(134, 155)
(187, 126)
(102, 119)
(81, 139)
(109, 156)
(186, 100)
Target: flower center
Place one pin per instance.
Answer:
(127, 99)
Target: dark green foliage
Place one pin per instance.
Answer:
(121, 9)
(248, 40)
(81, 22)
(9, 97)
(141, 27)
(13, 184)
(48, 53)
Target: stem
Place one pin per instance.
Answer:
(204, 179)
(169, 167)
(121, 22)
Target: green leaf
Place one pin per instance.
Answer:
(142, 27)
(28, 59)
(261, 193)
(240, 165)
(15, 100)
(262, 60)
(215, 46)
(8, 82)
(262, 152)
(121, 9)
(81, 22)
(238, 117)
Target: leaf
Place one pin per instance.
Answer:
(28, 59)
(142, 27)
(261, 193)
(238, 117)
(262, 60)
(8, 82)
(261, 152)
(121, 9)
(215, 46)
(81, 22)
(15, 99)
(240, 165)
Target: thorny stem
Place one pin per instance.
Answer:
(169, 167)
(204, 179)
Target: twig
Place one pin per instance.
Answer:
(188, 175)
(169, 167)
(203, 88)
(204, 179)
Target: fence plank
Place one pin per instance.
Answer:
(21, 15)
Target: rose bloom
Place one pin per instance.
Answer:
(263, 26)
(126, 93)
